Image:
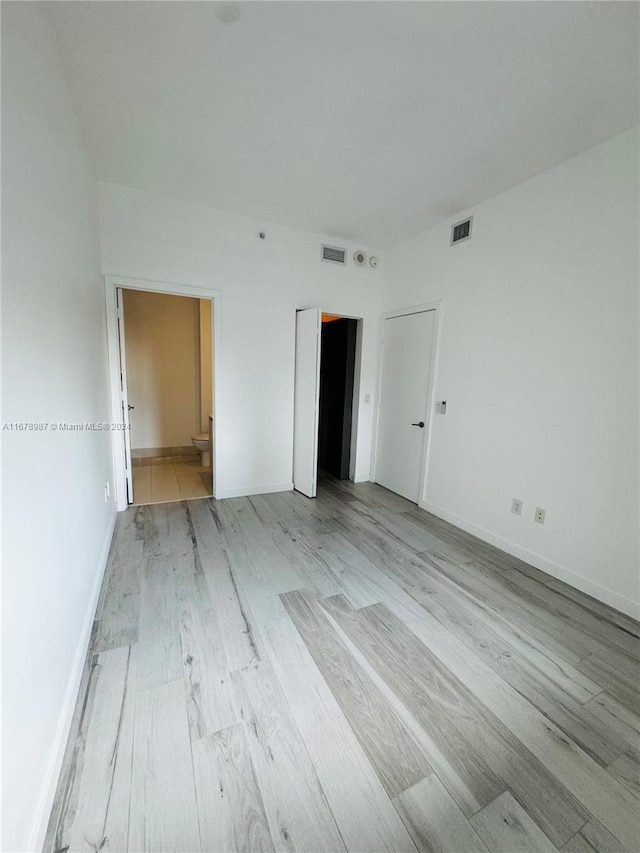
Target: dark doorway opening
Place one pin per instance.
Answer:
(337, 371)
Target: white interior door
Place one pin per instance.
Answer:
(306, 401)
(124, 400)
(403, 417)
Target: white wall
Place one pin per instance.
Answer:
(261, 282)
(162, 335)
(56, 524)
(539, 367)
(206, 364)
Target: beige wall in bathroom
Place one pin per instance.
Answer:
(206, 365)
(162, 336)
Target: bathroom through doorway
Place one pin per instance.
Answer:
(166, 352)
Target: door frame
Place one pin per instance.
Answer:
(111, 284)
(437, 306)
(306, 409)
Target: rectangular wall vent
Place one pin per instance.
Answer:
(461, 230)
(334, 255)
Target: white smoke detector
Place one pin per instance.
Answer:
(359, 258)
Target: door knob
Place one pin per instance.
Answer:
(420, 424)
(130, 406)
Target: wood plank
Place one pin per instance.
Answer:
(159, 653)
(295, 804)
(163, 814)
(129, 525)
(210, 697)
(383, 497)
(396, 757)
(80, 713)
(340, 564)
(575, 627)
(609, 633)
(307, 510)
(504, 692)
(447, 773)
(474, 736)
(601, 839)
(230, 808)
(594, 837)
(626, 769)
(560, 673)
(155, 531)
(577, 844)
(363, 812)
(287, 538)
(392, 524)
(553, 688)
(96, 808)
(394, 558)
(434, 820)
(590, 784)
(120, 610)
(481, 581)
(599, 608)
(259, 598)
(278, 567)
(227, 612)
(460, 540)
(385, 553)
(505, 826)
(617, 717)
(374, 586)
(616, 682)
(128, 529)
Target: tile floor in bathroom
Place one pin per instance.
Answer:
(175, 478)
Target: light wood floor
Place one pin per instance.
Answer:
(347, 673)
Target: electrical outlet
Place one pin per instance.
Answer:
(516, 506)
(540, 514)
(441, 407)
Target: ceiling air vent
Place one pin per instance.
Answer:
(334, 255)
(461, 230)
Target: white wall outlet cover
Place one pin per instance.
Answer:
(516, 506)
(359, 258)
(373, 261)
(540, 515)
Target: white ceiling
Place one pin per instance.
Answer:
(368, 120)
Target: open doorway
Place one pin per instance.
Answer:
(337, 376)
(326, 380)
(167, 342)
(165, 348)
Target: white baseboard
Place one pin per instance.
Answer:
(595, 590)
(43, 813)
(362, 478)
(257, 490)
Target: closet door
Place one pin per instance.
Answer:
(403, 418)
(306, 401)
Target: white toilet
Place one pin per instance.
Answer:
(201, 440)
